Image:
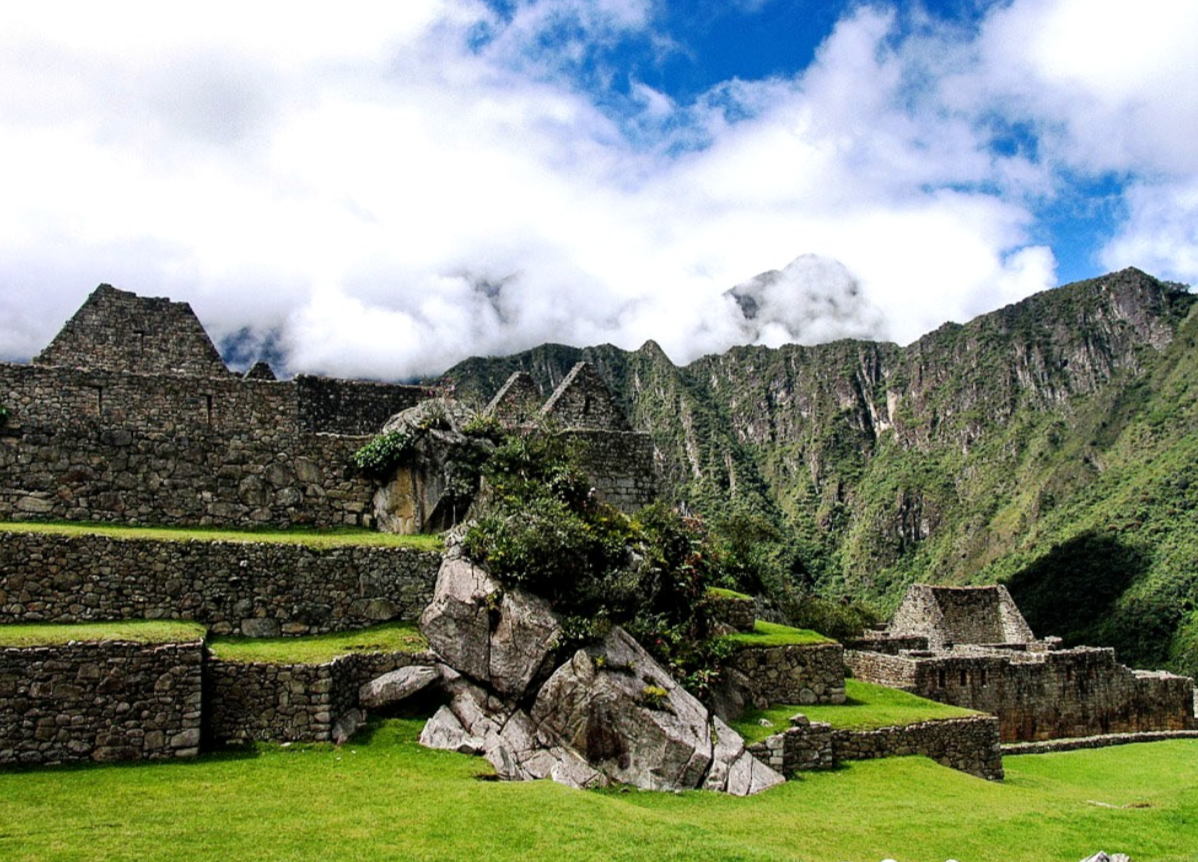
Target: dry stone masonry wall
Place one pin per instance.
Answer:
(255, 589)
(100, 701)
(289, 702)
(800, 674)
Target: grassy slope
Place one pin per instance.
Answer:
(311, 538)
(767, 634)
(391, 799)
(866, 706)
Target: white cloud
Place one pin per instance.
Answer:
(398, 186)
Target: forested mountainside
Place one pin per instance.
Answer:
(1051, 445)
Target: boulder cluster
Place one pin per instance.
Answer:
(609, 713)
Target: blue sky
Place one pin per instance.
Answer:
(389, 189)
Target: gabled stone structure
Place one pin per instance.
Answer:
(116, 330)
(618, 459)
(971, 647)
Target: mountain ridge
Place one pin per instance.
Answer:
(976, 453)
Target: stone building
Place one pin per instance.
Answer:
(971, 647)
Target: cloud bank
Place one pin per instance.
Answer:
(389, 189)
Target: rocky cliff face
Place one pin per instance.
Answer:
(967, 455)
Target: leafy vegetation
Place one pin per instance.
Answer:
(138, 631)
(315, 802)
(866, 707)
(311, 538)
(384, 452)
(318, 649)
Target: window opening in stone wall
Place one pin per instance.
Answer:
(139, 341)
(586, 405)
(208, 408)
(982, 675)
(964, 677)
(941, 678)
(99, 392)
(1068, 674)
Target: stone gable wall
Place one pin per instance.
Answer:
(798, 674)
(100, 701)
(119, 330)
(256, 589)
(289, 702)
(582, 400)
(620, 464)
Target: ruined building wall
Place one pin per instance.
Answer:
(247, 588)
(119, 331)
(619, 464)
(112, 446)
(1077, 692)
(100, 701)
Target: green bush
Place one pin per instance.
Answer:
(385, 452)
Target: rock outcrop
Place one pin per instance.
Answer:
(610, 713)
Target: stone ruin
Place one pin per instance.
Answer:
(971, 647)
(129, 416)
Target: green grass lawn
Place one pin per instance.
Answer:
(772, 634)
(317, 649)
(141, 631)
(866, 706)
(389, 799)
(311, 538)
(722, 593)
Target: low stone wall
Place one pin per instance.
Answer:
(104, 701)
(798, 674)
(967, 744)
(886, 643)
(804, 747)
(247, 701)
(889, 670)
(255, 589)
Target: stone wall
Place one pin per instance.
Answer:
(620, 465)
(289, 702)
(100, 701)
(1042, 695)
(583, 401)
(968, 744)
(796, 674)
(232, 587)
(734, 611)
(119, 330)
(110, 446)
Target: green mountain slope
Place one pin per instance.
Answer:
(1050, 444)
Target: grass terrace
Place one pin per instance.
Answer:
(772, 634)
(318, 649)
(722, 593)
(866, 707)
(138, 631)
(312, 538)
(383, 797)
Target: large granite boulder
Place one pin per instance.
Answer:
(396, 686)
(499, 637)
(627, 717)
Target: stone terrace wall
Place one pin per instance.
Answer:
(109, 446)
(797, 674)
(232, 587)
(620, 465)
(289, 702)
(967, 744)
(100, 701)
